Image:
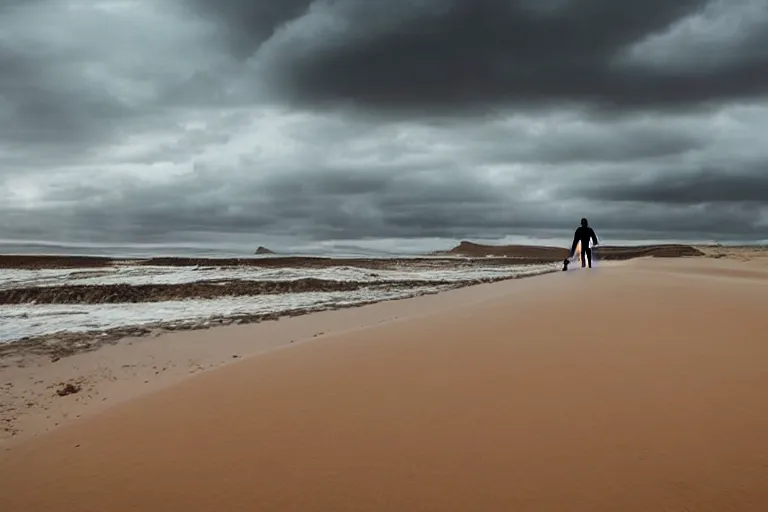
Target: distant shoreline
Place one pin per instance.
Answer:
(491, 254)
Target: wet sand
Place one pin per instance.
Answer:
(637, 386)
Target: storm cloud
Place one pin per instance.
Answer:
(455, 54)
(355, 122)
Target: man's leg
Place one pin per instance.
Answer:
(583, 257)
(589, 256)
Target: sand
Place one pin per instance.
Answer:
(637, 386)
(30, 405)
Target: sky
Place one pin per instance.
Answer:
(405, 123)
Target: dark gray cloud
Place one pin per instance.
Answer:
(37, 108)
(712, 186)
(75, 77)
(390, 202)
(572, 143)
(310, 121)
(480, 54)
(249, 24)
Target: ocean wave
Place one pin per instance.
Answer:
(145, 275)
(34, 320)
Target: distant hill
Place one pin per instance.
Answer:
(473, 250)
(263, 250)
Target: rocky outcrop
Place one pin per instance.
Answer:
(263, 250)
(473, 250)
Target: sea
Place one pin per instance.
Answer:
(19, 321)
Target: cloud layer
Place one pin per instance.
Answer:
(129, 121)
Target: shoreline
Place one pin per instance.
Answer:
(65, 343)
(59, 345)
(464, 252)
(132, 361)
(133, 299)
(481, 398)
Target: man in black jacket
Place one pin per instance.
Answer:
(583, 234)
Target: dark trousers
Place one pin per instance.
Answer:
(586, 256)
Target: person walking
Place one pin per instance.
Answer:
(583, 235)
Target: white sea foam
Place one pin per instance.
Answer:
(25, 320)
(18, 321)
(137, 275)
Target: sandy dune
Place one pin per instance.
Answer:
(637, 386)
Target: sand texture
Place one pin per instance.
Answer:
(637, 386)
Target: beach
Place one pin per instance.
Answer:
(638, 385)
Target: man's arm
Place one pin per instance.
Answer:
(593, 236)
